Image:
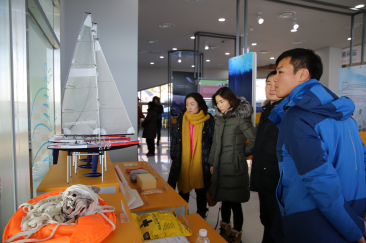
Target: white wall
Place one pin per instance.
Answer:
(332, 62)
(151, 77)
(118, 32)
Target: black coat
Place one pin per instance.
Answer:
(159, 117)
(265, 172)
(176, 150)
(149, 124)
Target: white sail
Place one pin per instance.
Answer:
(79, 105)
(113, 116)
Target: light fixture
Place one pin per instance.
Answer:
(227, 53)
(264, 52)
(161, 56)
(192, 65)
(295, 26)
(174, 49)
(299, 42)
(285, 14)
(192, 37)
(360, 6)
(151, 41)
(254, 44)
(294, 30)
(259, 18)
(349, 38)
(151, 63)
(208, 60)
(221, 19)
(356, 9)
(179, 60)
(166, 25)
(272, 58)
(206, 46)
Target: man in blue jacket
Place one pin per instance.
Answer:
(321, 192)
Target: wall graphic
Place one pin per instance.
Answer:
(242, 76)
(352, 84)
(183, 84)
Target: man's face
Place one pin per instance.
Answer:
(286, 79)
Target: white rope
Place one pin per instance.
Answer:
(48, 211)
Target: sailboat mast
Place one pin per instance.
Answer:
(96, 82)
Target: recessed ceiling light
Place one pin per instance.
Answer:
(360, 6)
(208, 60)
(221, 19)
(174, 49)
(141, 51)
(151, 41)
(192, 65)
(354, 9)
(161, 56)
(151, 63)
(264, 52)
(272, 58)
(259, 18)
(179, 60)
(166, 25)
(293, 30)
(349, 38)
(227, 53)
(254, 44)
(285, 14)
(299, 42)
(192, 37)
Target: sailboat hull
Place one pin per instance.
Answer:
(95, 147)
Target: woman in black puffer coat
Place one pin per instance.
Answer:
(176, 154)
(150, 128)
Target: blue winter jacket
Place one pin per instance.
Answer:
(321, 192)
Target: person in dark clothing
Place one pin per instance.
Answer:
(229, 167)
(265, 172)
(159, 119)
(150, 127)
(190, 167)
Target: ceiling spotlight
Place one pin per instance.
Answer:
(360, 6)
(221, 19)
(295, 25)
(227, 53)
(272, 58)
(174, 49)
(208, 60)
(161, 56)
(206, 46)
(192, 65)
(293, 30)
(259, 18)
(151, 41)
(192, 37)
(151, 63)
(179, 60)
(349, 38)
(254, 44)
(166, 25)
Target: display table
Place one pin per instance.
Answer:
(55, 179)
(159, 201)
(125, 232)
(196, 222)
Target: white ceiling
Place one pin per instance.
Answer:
(319, 29)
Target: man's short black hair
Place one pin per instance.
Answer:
(304, 58)
(271, 74)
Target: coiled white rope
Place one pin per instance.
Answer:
(48, 211)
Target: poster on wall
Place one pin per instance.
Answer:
(352, 84)
(209, 87)
(183, 84)
(243, 76)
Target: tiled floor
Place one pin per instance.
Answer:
(252, 229)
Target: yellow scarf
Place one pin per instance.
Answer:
(191, 172)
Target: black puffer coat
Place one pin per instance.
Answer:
(230, 179)
(265, 173)
(149, 124)
(176, 150)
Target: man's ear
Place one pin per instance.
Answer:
(304, 75)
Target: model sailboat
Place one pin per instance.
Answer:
(94, 117)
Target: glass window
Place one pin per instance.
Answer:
(260, 93)
(144, 108)
(47, 6)
(164, 93)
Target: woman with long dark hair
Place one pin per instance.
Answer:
(229, 168)
(189, 151)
